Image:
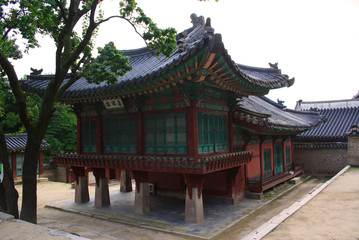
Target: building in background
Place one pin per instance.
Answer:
(16, 147)
(323, 150)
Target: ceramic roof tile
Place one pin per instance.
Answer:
(18, 143)
(276, 116)
(145, 65)
(339, 122)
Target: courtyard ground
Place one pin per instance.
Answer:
(332, 214)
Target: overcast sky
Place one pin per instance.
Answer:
(315, 41)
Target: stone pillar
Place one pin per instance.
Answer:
(102, 193)
(126, 183)
(353, 146)
(81, 185)
(142, 194)
(194, 202)
(142, 199)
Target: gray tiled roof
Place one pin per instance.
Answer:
(18, 143)
(146, 66)
(264, 112)
(339, 122)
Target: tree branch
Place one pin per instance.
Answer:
(63, 13)
(16, 89)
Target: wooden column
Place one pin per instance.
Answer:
(81, 185)
(192, 136)
(194, 201)
(142, 194)
(233, 176)
(102, 194)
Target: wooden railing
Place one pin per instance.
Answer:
(202, 165)
(255, 184)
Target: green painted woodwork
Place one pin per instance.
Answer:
(89, 135)
(287, 155)
(120, 134)
(267, 160)
(278, 158)
(113, 112)
(166, 133)
(214, 107)
(212, 133)
(19, 163)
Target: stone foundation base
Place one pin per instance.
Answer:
(254, 195)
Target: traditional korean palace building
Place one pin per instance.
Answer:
(194, 125)
(16, 147)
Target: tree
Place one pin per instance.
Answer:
(62, 130)
(58, 19)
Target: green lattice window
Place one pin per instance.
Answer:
(120, 135)
(287, 155)
(278, 158)
(89, 135)
(166, 133)
(267, 160)
(212, 133)
(19, 163)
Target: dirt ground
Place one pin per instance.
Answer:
(333, 214)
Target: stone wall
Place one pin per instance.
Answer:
(57, 174)
(321, 162)
(353, 146)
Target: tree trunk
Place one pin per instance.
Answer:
(29, 182)
(8, 192)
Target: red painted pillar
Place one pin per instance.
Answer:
(292, 154)
(261, 159)
(192, 136)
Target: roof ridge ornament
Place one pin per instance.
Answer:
(353, 131)
(273, 65)
(35, 71)
(197, 21)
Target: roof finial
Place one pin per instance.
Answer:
(35, 71)
(274, 66)
(208, 28)
(197, 21)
